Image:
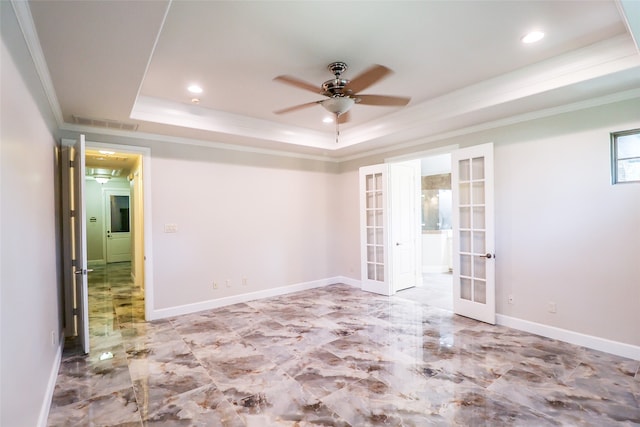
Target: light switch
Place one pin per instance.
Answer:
(171, 228)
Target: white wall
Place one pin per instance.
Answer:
(30, 302)
(346, 253)
(238, 216)
(563, 232)
(436, 251)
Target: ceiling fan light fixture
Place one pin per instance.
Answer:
(338, 104)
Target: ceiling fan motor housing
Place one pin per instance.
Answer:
(335, 87)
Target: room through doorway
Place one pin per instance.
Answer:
(115, 238)
(436, 233)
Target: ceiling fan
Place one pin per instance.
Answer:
(341, 94)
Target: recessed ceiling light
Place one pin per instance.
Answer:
(328, 120)
(195, 100)
(194, 89)
(532, 37)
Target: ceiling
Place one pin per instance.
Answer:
(100, 162)
(123, 68)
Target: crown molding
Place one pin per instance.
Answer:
(192, 116)
(600, 59)
(28, 28)
(507, 121)
(150, 137)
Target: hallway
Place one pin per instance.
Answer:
(114, 302)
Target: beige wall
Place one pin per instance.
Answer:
(264, 219)
(30, 301)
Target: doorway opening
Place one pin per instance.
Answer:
(435, 237)
(114, 200)
(436, 231)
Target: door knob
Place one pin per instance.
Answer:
(487, 256)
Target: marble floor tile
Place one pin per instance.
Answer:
(331, 356)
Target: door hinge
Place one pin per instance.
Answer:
(72, 213)
(74, 263)
(75, 312)
(72, 164)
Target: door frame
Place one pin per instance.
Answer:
(145, 153)
(448, 149)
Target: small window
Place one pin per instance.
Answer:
(625, 156)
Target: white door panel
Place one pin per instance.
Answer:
(118, 225)
(404, 194)
(373, 230)
(79, 243)
(473, 233)
(390, 226)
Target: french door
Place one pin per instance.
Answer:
(374, 234)
(473, 233)
(75, 242)
(389, 227)
(405, 224)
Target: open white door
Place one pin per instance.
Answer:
(473, 233)
(389, 226)
(405, 224)
(75, 243)
(373, 230)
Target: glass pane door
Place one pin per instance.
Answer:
(373, 229)
(474, 260)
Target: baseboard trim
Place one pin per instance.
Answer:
(572, 337)
(250, 296)
(349, 281)
(51, 385)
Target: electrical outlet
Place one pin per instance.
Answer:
(228, 283)
(53, 338)
(510, 299)
(215, 285)
(244, 281)
(553, 308)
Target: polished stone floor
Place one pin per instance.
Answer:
(332, 356)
